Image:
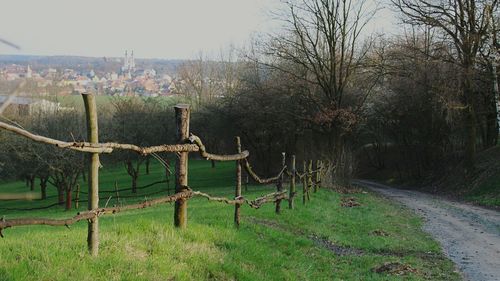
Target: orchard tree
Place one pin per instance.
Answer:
(143, 122)
(64, 166)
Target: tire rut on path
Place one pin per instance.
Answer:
(469, 235)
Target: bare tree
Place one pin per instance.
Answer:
(322, 48)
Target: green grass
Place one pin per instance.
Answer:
(488, 192)
(144, 245)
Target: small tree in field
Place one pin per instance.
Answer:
(64, 166)
(141, 122)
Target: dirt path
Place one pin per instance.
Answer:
(469, 235)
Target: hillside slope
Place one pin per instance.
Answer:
(323, 240)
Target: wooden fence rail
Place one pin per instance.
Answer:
(186, 142)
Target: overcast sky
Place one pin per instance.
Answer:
(173, 29)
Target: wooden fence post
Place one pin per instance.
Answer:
(304, 182)
(77, 196)
(181, 164)
(237, 194)
(280, 183)
(93, 193)
(291, 198)
(320, 172)
(309, 177)
(117, 194)
(316, 180)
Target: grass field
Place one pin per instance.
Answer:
(319, 241)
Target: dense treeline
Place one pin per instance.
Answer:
(412, 105)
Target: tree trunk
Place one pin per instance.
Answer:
(32, 182)
(60, 195)
(470, 119)
(134, 183)
(68, 199)
(470, 141)
(43, 187)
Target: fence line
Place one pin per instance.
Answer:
(86, 215)
(109, 147)
(182, 191)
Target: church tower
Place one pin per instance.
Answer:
(28, 72)
(126, 65)
(132, 61)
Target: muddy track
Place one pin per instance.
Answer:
(469, 235)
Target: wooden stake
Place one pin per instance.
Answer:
(280, 183)
(316, 180)
(320, 172)
(93, 193)
(117, 194)
(181, 164)
(304, 182)
(237, 194)
(309, 178)
(77, 196)
(291, 197)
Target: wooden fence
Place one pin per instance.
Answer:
(186, 143)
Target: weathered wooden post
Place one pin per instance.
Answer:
(181, 164)
(304, 182)
(117, 194)
(291, 203)
(237, 194)
(320, 172)
(316, 180)
(280, 182)
(93, 193)
(309, 177)
(77, 196)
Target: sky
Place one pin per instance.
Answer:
(170, 29)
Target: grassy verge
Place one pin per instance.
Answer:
(487, 194)
(319, 241)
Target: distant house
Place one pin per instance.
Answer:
(24, 106)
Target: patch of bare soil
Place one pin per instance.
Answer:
(349, 202)
(337, 249)
(379, 232)
(347, 189)
(394, 268)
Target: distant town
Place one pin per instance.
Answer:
(103, 76)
